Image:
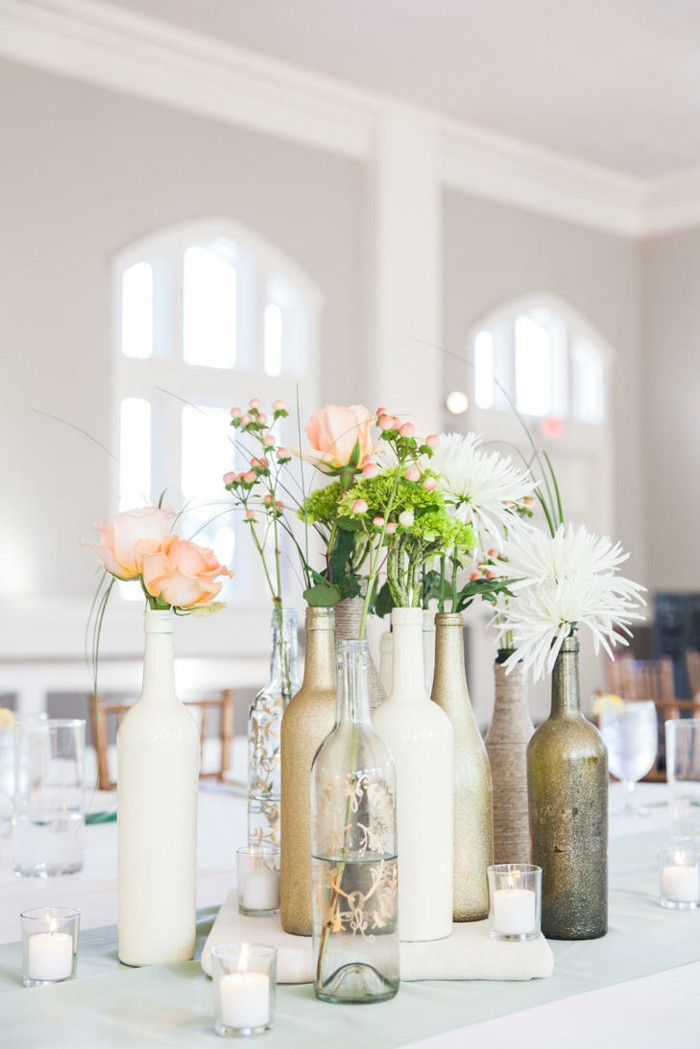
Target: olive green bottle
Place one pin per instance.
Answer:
(473, 795)
(307, 720)
(567, 775)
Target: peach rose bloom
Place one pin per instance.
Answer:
(182, 574)
(128, 536)
(334, 431)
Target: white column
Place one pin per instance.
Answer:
(404, 363)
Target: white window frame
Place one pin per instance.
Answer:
(259, 262)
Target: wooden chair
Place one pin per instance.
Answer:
(641, 678)
(692, 665)
(106, 716)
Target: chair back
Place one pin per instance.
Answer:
(216, 714)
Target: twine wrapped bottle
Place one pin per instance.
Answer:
(348, 614)
(472, 792)
(307, 721)
(506, 744)
(567, 776)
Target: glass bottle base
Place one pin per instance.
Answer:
(356, 984)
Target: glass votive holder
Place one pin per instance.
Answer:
(679, 878)
(515, 901)
(245, 986)
(258, 879)
(49, 944)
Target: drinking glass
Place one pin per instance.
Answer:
(630, 731)
(683, 775)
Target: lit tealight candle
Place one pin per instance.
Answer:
(50, 956)
(680, 884)
(514, 911)
(245, 999)
(261, 890)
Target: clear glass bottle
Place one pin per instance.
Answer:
(264, 728)
(353, 845)
(567, 779)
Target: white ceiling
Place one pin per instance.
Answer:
(613, 82)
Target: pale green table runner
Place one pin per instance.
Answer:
(110, 1006)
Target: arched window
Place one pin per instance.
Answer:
(208, 315)
(544, 358)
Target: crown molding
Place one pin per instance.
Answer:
(142, 57)
(504, 169)
(127, 52)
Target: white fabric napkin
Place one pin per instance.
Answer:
(468, 954)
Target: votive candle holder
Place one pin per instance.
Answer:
(49, 945)
(245, 987)
(515, 901)
(679, 878)
(258, 879)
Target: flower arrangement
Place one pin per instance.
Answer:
(564, 580)
(173, 572)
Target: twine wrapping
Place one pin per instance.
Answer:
(506, 744)
(348, 614)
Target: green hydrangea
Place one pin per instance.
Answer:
(322, 505)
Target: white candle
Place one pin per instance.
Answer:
(514, 911)
(680, 884)
(50, 956)
(261, 890)
(244, 999)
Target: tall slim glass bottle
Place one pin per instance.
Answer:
(353, 843)
(264, 728)
(306, 722)
(567, 778)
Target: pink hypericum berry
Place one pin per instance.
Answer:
(249, 477)
(262, 418)
(380, 411)
(432, 441)
(406, 518)
(254, 402)
(250, 515)
(377, 521)
(283, 453)
(236, 413)
(230, 477)
(278, 406)
(412, 474)
(488, 575)
(385, 422)
(474, 576)
(360, 506)
(391, 528)
(430, 484)
(493, 553)
(528, 500)
(408, 430)
(268, 500)
(370, 470)
(279, 504)
(246, 420)
(269, 441)
(395, 422)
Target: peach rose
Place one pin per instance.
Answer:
(334, 432)
(128, 536)
(182, 574)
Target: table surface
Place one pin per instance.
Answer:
(638, 986)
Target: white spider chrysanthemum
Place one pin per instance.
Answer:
(484, 487)
(563, 582)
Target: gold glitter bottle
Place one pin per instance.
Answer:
(308, 719)
(473, 796)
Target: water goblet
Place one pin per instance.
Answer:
(630, 731)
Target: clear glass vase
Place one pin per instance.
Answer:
(353, 845)
(264, 727)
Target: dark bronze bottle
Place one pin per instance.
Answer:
(567, 774)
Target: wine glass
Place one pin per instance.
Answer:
(630, 732)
